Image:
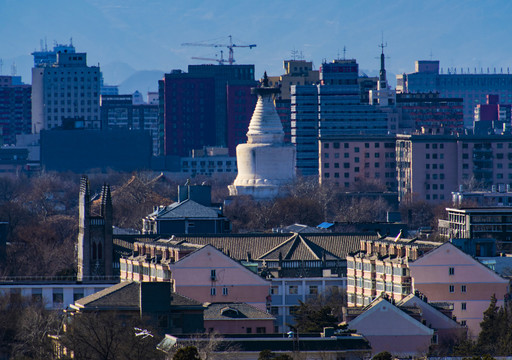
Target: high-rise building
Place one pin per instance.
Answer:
(200, 106)
(15, 109)
(66, 89)
(120, 112)
(473, 87)
(430, 112)
(331, 108)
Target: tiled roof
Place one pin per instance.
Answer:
(126, 295)
(185, 209)
(123, 295)
(298, 248)
(227, 311)
(258, 245)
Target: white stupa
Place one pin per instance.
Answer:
(265, 162)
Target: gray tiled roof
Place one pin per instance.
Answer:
(185, 209)
(123, 295)
(126, 295)
(298, 247)
(227, 311)
(258, 245)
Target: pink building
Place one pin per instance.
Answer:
(205, 275)
(350, 158)
(390, 328)
(447, 274)
(437, 317)
(443, 162)
(237, 318)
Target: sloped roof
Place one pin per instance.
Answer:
(374, 310)
(298, 248)
(239, 245)
(185, 209)
(228, 311)
(126, 296)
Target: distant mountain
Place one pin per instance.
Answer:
(115, 73)
(144, 81)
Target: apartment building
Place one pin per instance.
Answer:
(447, 274)
(430, 167)
(66, 89)
(347, 159)
(382, 267)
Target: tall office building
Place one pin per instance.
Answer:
(15, 109)
(122, 112)
(331, 108)
(66, 89)
(473, 87)
(199, 107)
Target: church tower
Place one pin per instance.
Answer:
(95, 246)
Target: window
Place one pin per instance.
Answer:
(463, 288)
(261, 330)
(313, 289)
(463, 322)
(274, 290)
(293, 289)
(224, 291)
(37, 295)
(213, 275)
(248, 330)
(463, 306)
(58, 296)
(213, 291)
(452, 288)
(451, 271)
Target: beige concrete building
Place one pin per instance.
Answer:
(67, 89)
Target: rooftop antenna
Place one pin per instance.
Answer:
(431, 55)
(295, 54)
(13, 69)
(1, 64)
(70, 41)
(344, 52)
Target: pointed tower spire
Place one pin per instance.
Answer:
(383, 82)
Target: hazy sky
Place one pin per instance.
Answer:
(147, 34)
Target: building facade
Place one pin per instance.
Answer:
(382, 267)
(347, 159)
(471, 86)
(15, 109)
(66, 89)
(430, 167)
(198, 107)
(330, 109)
(120, 112)
(447, 274)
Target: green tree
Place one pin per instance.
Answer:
(489, 336)
(187, 353)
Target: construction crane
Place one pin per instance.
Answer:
(221, 61)
(230, 46)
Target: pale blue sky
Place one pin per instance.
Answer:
(147, 34)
